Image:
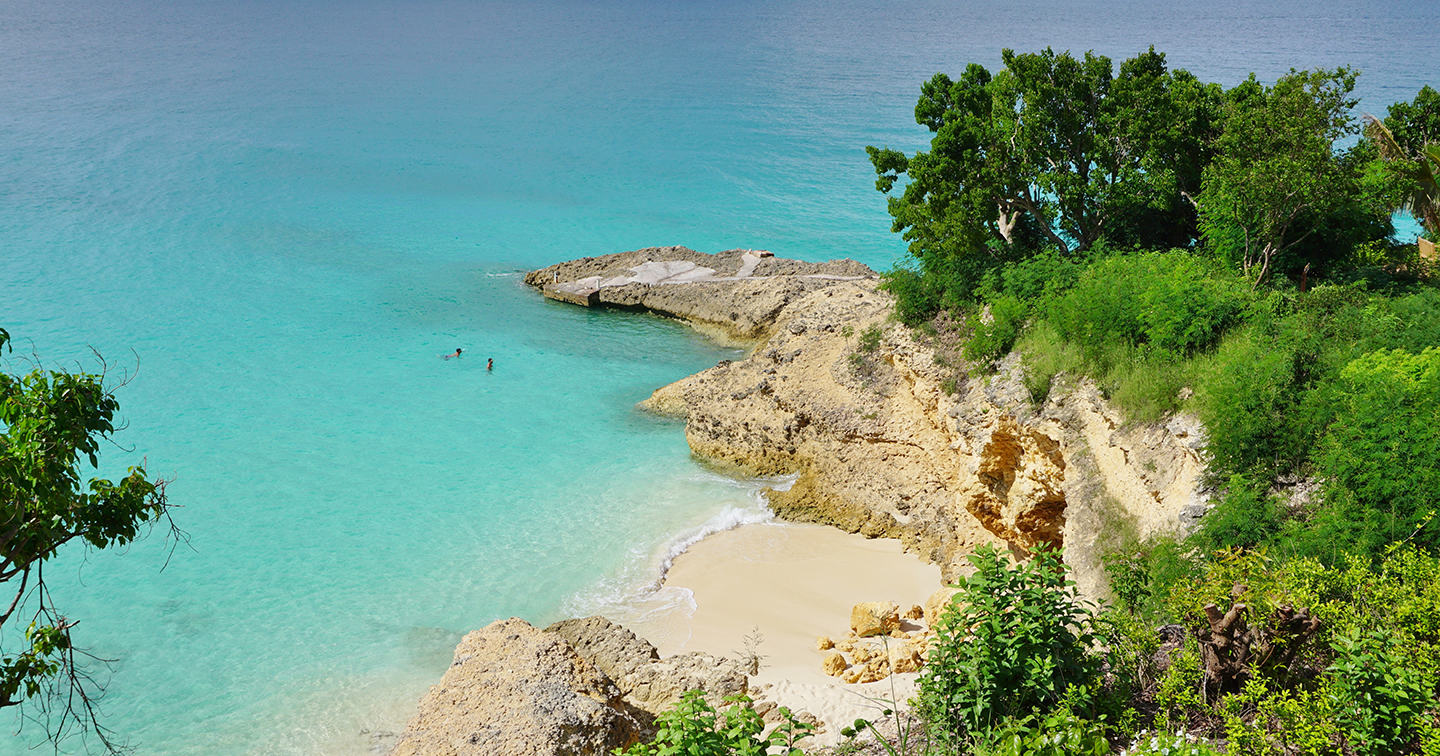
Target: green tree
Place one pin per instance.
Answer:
(1276, 172)
(49, 422)
(1052, 150)
(1413, 172)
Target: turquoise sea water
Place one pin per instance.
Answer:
(273, 216)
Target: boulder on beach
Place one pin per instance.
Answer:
(875, 618)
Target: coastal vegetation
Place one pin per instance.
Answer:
(1229, 253)
(51, 421)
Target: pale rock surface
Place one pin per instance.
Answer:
(874, 618)
(654, 686)
(936, 604)
(834, 664)
(611, 647)
(514, 690)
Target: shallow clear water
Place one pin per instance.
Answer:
(273, 216)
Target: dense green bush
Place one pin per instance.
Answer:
(1013, 641)
(1380, 701)
(1245, 517)
(1174, 303)
(993, 339)
(1059, 733)
(1380, 456)
(692, 727)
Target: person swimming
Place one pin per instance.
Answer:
(490, 364)
(448, 356)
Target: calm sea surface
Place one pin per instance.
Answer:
(271, 217)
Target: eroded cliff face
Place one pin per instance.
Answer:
(881, 448)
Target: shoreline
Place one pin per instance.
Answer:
(787, 584)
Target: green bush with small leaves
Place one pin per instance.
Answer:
(1380, 700)
(1059, 733)
(692, 727)
(1012, 642)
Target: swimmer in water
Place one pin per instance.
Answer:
(448, 356)
(490, 364)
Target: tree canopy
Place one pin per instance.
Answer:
(51, 421)
(1055, 151)
(1065, 154)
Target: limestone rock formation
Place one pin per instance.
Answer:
(514, 690)
(737, 292)
(874, 618)
(834, 664)
(936, 604)
(611, 647)
(882, 440)
(654, 686)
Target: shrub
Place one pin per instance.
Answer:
(1245, 517)
(693, 727)
(1060, 733)
(1379, 700)
(1173, 303)
(993, 340)
(1013, 640)
(1381, 454)
(1179, 694)
(870, 339)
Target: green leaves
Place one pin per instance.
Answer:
(1013, 640)
(51, 422)
(1275, 168)
(692, 727)
(1379, 698)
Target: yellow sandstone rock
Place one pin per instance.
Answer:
(834, 665)
(852, 676)
(915, 612)
(823, 643)
(936, 604)
(875, 618)
(907, 657)
(845, 646)
(875, 671)
(864, 654)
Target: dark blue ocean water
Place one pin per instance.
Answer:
(273, 216)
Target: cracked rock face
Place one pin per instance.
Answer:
(1019, 490)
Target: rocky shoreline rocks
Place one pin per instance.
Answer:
(883, 441)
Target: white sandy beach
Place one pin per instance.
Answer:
(791, 583)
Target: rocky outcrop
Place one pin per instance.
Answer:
(883, 441)
(650, 684)
(580, 687)
(874, 618)
(516, 691)
(611, 647)
(655, 686)
(736, 294)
